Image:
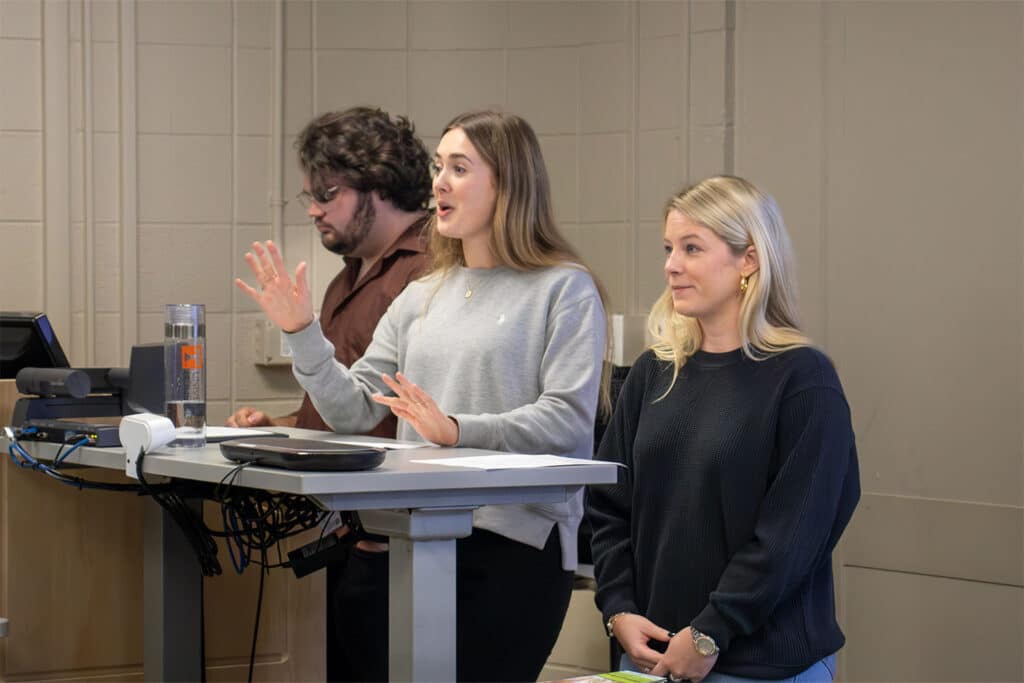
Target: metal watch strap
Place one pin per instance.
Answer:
(699, 636)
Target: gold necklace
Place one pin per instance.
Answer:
(471, 283)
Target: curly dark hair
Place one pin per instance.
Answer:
(366, 149)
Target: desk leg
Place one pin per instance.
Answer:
(173, 587)
(422, 590)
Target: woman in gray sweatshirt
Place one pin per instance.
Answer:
(500, 346)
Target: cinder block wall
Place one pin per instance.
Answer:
(135, 166)
(166, 157)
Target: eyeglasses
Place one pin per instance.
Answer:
(307, 198)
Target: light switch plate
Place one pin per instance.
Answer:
(270, 346)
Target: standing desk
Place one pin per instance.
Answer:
(423, 508)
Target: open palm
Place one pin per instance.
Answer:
(287, 303)
(416, 407)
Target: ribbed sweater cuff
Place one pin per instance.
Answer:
(711, 622)
(309, 347)
(474, 431)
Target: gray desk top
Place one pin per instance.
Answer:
(398, 482)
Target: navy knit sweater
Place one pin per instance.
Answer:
(737, 486)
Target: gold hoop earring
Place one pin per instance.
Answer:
(744, 283)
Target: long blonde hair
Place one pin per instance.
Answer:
(524, 234)
(742, 215)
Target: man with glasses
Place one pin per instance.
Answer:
(366, 186)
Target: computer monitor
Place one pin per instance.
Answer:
(27, 340)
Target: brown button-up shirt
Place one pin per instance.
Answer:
(351, 310)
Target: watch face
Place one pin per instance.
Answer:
(705, 646)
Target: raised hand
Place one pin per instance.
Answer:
(288, 304)
(416, 407)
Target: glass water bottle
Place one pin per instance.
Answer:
(185, 373)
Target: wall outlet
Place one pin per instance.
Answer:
(271, 348)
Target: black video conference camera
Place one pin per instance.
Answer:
(93, 392)
(53, 382)
(31, 354)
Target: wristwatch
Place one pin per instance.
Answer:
(703, 643)
(611, 623)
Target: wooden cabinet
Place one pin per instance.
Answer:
(71, 587)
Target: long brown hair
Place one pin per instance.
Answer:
(524, 234)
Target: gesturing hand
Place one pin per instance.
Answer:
(288, 304)
(415, 406)
(633, 631)
(249, 417)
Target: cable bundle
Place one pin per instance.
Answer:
(256, 521)
(20, 457)
(189, 520)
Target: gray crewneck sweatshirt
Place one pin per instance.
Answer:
(517, 364)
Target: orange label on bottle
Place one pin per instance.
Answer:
(192, 357)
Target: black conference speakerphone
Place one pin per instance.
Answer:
(302, 454)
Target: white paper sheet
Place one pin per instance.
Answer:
(506, 461)
(214, 433)
(378, 444)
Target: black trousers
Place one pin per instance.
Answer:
(511, 601)
(357, 618)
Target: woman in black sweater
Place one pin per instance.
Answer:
(713, 554)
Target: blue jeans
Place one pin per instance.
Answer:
(822, 671)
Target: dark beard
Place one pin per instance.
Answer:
(345, 241)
